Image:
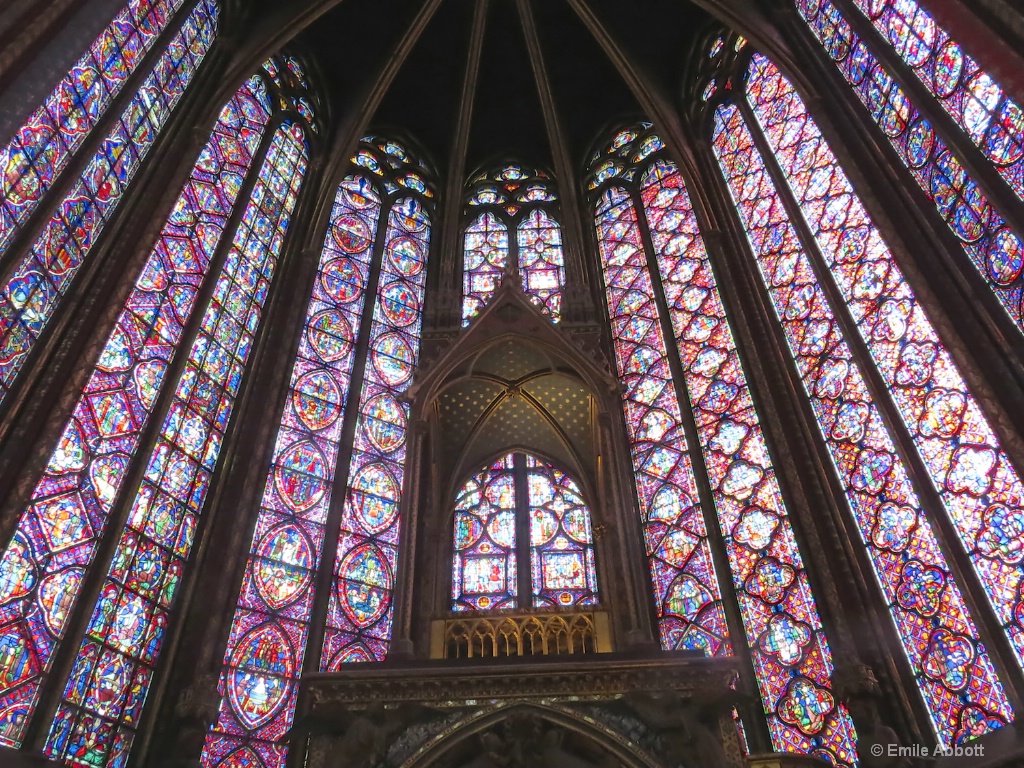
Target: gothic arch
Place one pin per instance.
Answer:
(456, 446)
(469, 735)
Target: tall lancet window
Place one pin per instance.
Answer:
(82, 488)
(679, 363)
(516, 200)
(944, 155)
(521, 527)
(46, 150)
(951, 454)
(324, 497)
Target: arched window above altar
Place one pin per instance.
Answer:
(521, 526)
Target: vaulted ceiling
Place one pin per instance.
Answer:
(507, 119)
(500, 110)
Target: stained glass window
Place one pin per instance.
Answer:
(292, 88)
(34, 158)
(792, 658)
(266, 648)
(512, 198)
(955, 675)
(44, 146)
(688, 599)
(541, 265)
(277, 592)
(104, 696)
(56, 538)
(484, 566)
(992, 120)
(360, 612)
(521, 509)
(980, 489)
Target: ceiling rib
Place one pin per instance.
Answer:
(351, 130)
(567, 187)
(455, 180)
(651, 100)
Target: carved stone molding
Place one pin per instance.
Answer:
(453, 684)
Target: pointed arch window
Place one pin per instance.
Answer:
(519, 200)
(687, 594)
(521, 527)
(367, 295)
(360, 607)
(663, 300)
(46, 145)
(979, 107)
(834, 249)
(43, 570)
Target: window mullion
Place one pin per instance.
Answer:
(67, 651)
(707, 497)
(700, 470)
(524, 566)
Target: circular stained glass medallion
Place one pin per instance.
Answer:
(1005, 257)
(299, 476)
(113, 677)
(330, 335)
(400, 305)
(317, 400)
(255, 684)
(342, 280)
(502, 529)
(375, 497)
(282, 572)
(577, 524)
(351, 233)
(406, 254)
(385, 422)
(364, 581)
(393, 359)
